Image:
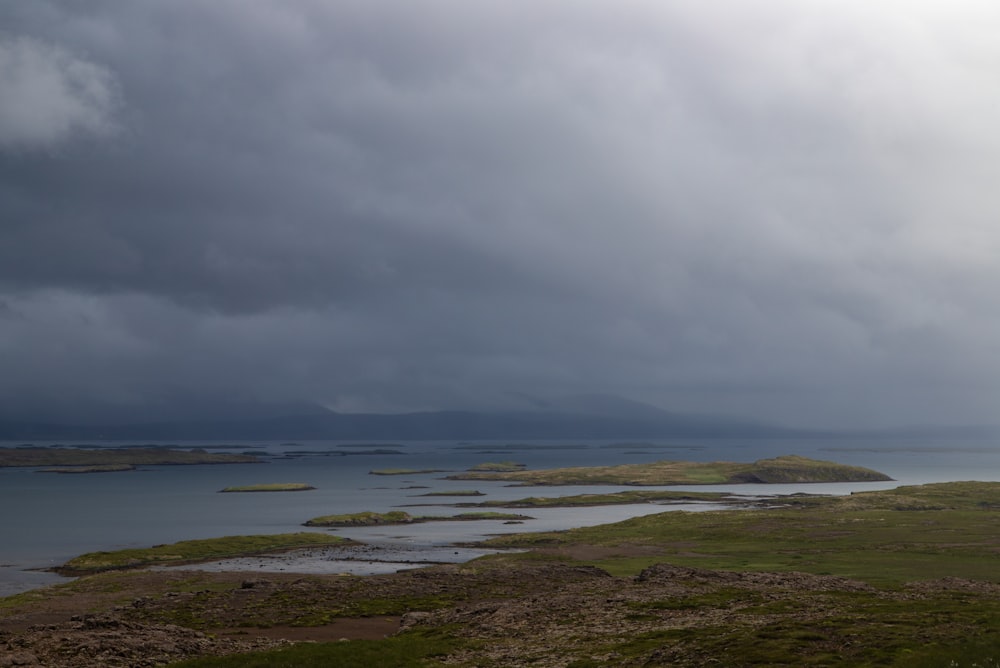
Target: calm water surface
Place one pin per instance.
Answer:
(49, 518)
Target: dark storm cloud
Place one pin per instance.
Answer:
(774, 210)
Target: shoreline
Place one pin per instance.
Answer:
(390, 551)
(374, 558)
(377, 557)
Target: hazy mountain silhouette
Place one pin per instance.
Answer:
(584, 416)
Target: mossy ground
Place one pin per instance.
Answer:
(409, 650)
(908, 533)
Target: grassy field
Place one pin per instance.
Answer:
(885, 537)
(788, 469)
(412, 650)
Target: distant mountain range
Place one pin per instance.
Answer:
(589, 416)
(583, 417)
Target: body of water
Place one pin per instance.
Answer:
(49, 518)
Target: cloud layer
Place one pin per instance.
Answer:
(50, 95)
(779, 210)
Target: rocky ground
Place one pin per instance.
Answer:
(536, 613)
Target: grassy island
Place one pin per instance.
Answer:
(499, 467)
(102, 468)
(193, 551)
(271, 487)
(133, 456)
(788, 469)
(400, 517)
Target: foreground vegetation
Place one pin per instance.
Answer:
(412, 650)
(884, 537)
(191, 551)
(908, 577)
(788, 469)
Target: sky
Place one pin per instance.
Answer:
(777, 209)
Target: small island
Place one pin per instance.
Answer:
(270, 487)
(101, 468)
(368, 518)
(499, 467)
(132, 456)
(787, 469)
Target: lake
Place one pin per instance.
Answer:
(49, 518)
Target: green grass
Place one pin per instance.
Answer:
(407, 650)
(271, 487)
(787, 469)
(909, 533)
(194, 551)
(841, 629)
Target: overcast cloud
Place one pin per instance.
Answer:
(777, 209)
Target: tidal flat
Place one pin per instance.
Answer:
(902, 577)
